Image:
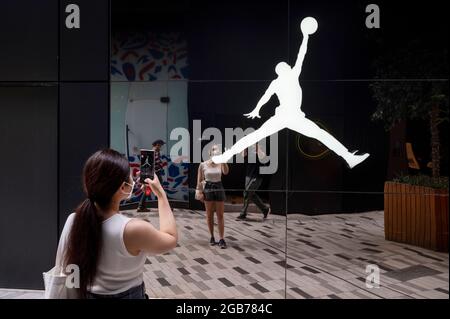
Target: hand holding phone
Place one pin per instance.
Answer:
(155, 186)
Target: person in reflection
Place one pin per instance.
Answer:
(210, 191)
(253, 180)
(156, 146)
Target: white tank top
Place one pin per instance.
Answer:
(117, 269)
(212, 173)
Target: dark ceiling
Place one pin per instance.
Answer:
(133, 14)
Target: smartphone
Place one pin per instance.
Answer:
(147, 164)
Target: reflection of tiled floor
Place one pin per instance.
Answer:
(251, 266)
(20, 294)
(327, 258)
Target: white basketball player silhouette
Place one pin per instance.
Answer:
(289, 114)
(146, 163)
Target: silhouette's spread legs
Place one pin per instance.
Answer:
(271, 126)
(310, 129)
(298, 124)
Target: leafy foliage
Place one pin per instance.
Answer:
(406, 88)
(423, 180)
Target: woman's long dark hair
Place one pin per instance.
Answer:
(103, 174)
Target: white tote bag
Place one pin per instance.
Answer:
(55, 285)
(55, 281)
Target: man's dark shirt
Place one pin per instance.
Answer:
(252, 169)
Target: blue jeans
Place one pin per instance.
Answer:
(137, 292)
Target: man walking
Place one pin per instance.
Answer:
(253, 180)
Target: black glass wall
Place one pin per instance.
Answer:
(54, 106)
(197, 67)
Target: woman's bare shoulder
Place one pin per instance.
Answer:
(136, 228)
(137, 223)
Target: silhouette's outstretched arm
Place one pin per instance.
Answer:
(301, 55)
(263, 100)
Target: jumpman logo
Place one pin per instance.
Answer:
(146, 163)
(289, 114)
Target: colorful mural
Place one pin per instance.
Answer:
(149, 57)
(175, 180)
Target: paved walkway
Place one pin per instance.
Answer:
(326, 255)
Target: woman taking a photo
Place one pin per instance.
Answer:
(109, 248)
(210, 191)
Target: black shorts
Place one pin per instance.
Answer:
(214, 192)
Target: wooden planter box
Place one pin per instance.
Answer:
(416, 215)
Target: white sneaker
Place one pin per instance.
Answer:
(354, 160)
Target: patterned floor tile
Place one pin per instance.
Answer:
(326, 255)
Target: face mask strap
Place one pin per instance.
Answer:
(131, 191)
(132, 185)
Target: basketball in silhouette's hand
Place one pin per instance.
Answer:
(309, 25)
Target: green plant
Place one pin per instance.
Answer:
(405, 99)
(423, 180)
